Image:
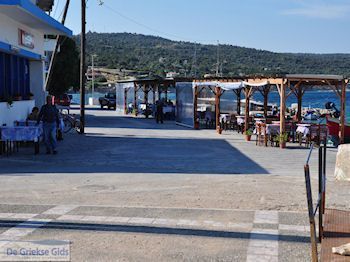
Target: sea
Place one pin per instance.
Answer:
(311, 98)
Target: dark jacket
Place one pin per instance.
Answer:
(49, 114)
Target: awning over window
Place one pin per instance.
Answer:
(29, 14)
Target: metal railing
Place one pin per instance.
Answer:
(320, 203)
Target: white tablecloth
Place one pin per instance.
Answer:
(303, 129)
(21, 133)
(240, 120)
(225, 117)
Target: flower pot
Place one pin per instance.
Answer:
(248, 138)
(283, 145)
(196, 125)
(219, 131)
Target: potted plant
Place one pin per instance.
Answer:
(30, 96)
(196, 124)
(17, 97)
(248, 135)
(282, 139)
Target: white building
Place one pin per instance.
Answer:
(22, 55)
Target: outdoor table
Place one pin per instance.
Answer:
(21, 134)
(303, 129)
(225, 117)
(272, 129)
(240, 120)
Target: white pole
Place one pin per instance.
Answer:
(93, 79)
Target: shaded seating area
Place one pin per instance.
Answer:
(194, 113)
(139, 96)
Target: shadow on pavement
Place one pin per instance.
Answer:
(152, 230)
(104, 154)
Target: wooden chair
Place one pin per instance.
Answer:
(261, 136)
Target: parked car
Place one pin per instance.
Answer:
(109, 101)
(62, 100)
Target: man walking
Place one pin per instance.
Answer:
(50, 117)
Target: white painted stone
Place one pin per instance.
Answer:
(60, 210)
(342, 166)
(165, 222)
(266, 217)
(141, 220)
(187, 222)
(117, 219)
(70, 217)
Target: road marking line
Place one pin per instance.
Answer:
(297, 228)
(266, 217)
(60, 210)
(25, 228)
(263, 244)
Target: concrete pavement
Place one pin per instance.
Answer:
(131, 190)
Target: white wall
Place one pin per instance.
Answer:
(17, 112)
(9, 34)
(36, 69)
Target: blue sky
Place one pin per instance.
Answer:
(316, 26)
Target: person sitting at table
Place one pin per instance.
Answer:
(50, 117)
(34, 115)
(208, 118)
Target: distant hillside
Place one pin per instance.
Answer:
(159, 55)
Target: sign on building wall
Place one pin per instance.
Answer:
(26, 39)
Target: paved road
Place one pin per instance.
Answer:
(131, 190)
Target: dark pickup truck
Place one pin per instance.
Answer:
(109, 101)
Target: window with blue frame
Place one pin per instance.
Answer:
(14, 76)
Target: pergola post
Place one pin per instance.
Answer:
(238, 93)
(166, 92)
(126, 101)
(145, 98)
(195, 107)
(159, 92)
(282, 113)
(247, 102)
(154, 93)
(135, 98)
(300, 102)
(217, 108)
(342, 113)
(265, 93)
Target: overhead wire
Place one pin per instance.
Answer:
(150, 28)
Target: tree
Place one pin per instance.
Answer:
(65, 73)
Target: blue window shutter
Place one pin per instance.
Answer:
(2, 74)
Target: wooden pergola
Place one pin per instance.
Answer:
(286, 85)
(147, 85)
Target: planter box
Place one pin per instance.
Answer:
(17, 112)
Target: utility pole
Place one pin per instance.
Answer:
(93, 77)
(82, 66)
(218, 60)
(194, 62)
(57, 45)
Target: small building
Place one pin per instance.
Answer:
(22, 56)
